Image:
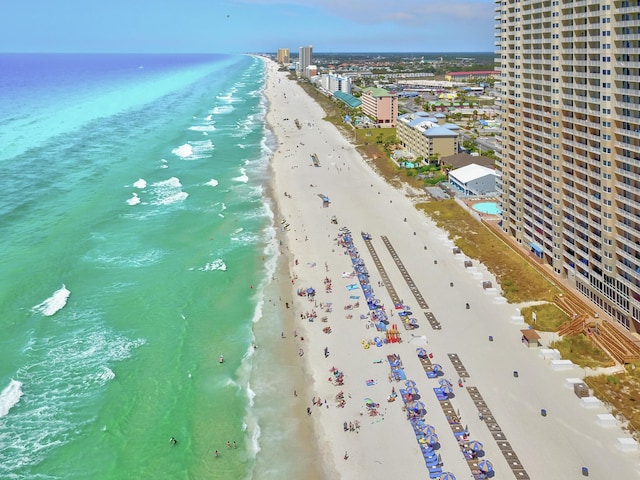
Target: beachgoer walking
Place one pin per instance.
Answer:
(173, 441)
(346, 455)
(228, 444)
(216, 453)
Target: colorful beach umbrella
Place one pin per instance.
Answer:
(410, 383)
(485, 466)
(437, 367)
(447, 476)
(445, 383)
(418, 406)
(421, 352)
(476, 446)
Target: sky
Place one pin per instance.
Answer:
(238, 26)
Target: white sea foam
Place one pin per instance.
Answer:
(243, 176)
(212, 183)
(222, 109)
(183, 151)
(134, 200)
(106, 374)
(140, 183)
(10, 396)
(217, 264)
(202, 128)
(54, 303)
(168, 191)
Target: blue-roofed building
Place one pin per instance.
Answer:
(350, 100)
(426, 134)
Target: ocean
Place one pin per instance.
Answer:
(137, 241)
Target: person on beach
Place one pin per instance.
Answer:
(173, 441)
(228, 444)
(216, 453)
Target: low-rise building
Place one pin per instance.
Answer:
(474, 180)
(425, 134)
(474, 75)
(381, 105)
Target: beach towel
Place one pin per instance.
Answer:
(370, 383)
(354, 297)
(353, 286)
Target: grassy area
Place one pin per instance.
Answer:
(520, 282)
(622, 392)
(548, 317)
(582, 351)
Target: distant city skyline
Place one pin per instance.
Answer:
(236, 26)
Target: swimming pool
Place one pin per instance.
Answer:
(488, 207)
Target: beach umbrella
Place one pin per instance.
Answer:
(437, 367)
(412, 390)
(410, 383)
(432, 439)
(485, 466)
(447, 476)
(475, 446)
(421, 352)
(429, 430)
(445, 383)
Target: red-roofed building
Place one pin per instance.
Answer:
(476, 75)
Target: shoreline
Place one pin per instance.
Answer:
(385, 443)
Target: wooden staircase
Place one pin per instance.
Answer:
(609, 338)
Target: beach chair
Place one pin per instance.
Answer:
(435, 474)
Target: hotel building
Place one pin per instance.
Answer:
(284, 56)
(425, 135)
(570, 145)
(304, 59)
(381, 106)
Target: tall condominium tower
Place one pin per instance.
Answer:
(570, 145)
(304, 59)
(283, 56)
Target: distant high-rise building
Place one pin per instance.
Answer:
(304, 59)
(570, 146)
(283, 56)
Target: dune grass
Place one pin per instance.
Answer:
(519, 281)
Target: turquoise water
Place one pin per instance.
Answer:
(136, 242)
(487, 207)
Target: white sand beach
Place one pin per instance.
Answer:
(555, 446)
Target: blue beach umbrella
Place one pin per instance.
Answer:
(476, 446)
(447, 476)
(445, 383)
(421, 352)
(485, 466)
(432, 439)
(410, 383)
(429, 430)
(437, 367)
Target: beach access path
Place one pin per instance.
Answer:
(556, 446)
